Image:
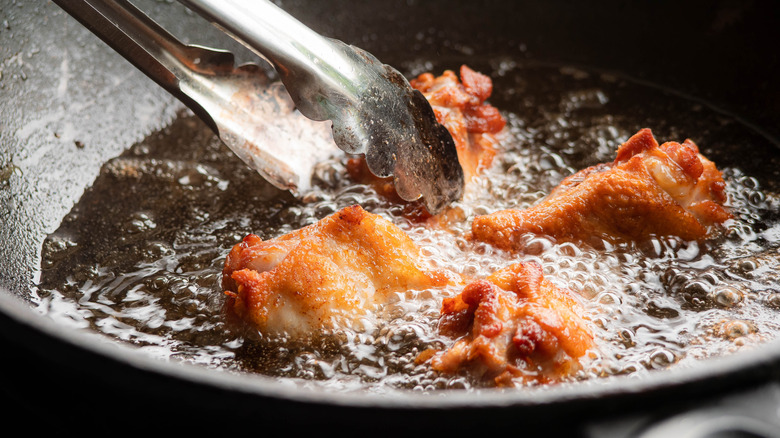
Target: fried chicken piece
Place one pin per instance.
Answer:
(513, 327)
(327, 275)
(460, 106)
(666, 190)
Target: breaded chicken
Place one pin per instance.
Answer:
(327, 275)
(649, 190)
(460, 106)
(513, 327)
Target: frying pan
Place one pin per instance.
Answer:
(68, 104)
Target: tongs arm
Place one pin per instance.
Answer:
(315, 69)
(149, 47)
(251, 115)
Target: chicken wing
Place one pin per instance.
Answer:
(460, 106)
(666, 190)
(327, 275)
(513, 327)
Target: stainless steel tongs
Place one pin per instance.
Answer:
(373, 109)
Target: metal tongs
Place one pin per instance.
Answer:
(373, 109)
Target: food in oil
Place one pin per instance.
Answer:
(139, 258)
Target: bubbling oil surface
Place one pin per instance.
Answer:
(139, 258)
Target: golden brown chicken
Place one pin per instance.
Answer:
(666, 190)
(513, 327)
(460, 106)
(327, 275)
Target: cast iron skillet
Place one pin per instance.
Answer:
(67, 104)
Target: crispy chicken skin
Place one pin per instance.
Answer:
(326, 275)
(460, 106)
(513, 327)
(666, 190)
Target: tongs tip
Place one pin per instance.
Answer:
(396, 128)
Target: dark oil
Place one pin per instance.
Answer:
(139, 258)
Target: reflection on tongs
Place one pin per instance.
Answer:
(373, 109)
